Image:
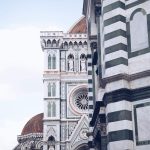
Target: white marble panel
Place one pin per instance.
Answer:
(121, 145)
(115, 26)
(118, 106)
(113, 13)
(108, 2)
(143, 123)
(117, 85)
(142, 82)
(139, 63)
(116, 70)
(117, 54)
(119, 125)
(114, 41)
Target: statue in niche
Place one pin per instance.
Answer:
(51, 148)
(83, 62)
(83, 65)
(70, 63)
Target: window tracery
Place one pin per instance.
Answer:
(51, 89)
(51, 109)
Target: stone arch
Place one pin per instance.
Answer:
(138, 30)
(80, 44)
(65, 45)
(70, 44)
(137, 10)
(75, 45)
(48, 43)
(85, 44)
(51, 143)
(54, 43)
(43, 43)
(82, 147)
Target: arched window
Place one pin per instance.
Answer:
(75, 45)
(49, 62)
(51, 109)
(54, 110)
(51, 143)
(70, 62)
(49, 90)
(70, 45)
(85, 44)
(54, 89)
(54, 43)
(48, 43)
(65, 45)
(138, 30)
(83, 65)
(54, 62)
(43, 43)
(80, 44)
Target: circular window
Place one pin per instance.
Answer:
(79, 100)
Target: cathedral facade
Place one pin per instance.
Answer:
(119, 38)
(64, 123)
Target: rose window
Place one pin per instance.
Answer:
(81, 101)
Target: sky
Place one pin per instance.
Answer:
(21, 58)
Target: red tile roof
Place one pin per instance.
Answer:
(79, 27)
(34, 125)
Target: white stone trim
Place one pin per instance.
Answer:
(114, 41)
(119, 125)
(118, 106)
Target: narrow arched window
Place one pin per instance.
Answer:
(54, 43)
(54, 110)
(48, 43)
(80, 44)
(54, 89)
(49, 90)
(139, 30)
(43, 44)
(49, 110)
(54, 62)
(85, 44)
(51, 143)
(75, 45)
(49, 62)
(70, 45)
(65, 45)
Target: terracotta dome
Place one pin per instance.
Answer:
(79, 27)
(34, 125)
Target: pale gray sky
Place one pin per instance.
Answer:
(21, 58)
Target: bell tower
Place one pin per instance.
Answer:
(65, 121)
(51, 43)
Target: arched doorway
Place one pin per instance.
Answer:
(82, 147)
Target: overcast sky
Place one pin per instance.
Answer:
(21, 58)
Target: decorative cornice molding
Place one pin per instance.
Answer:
(125, 77)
